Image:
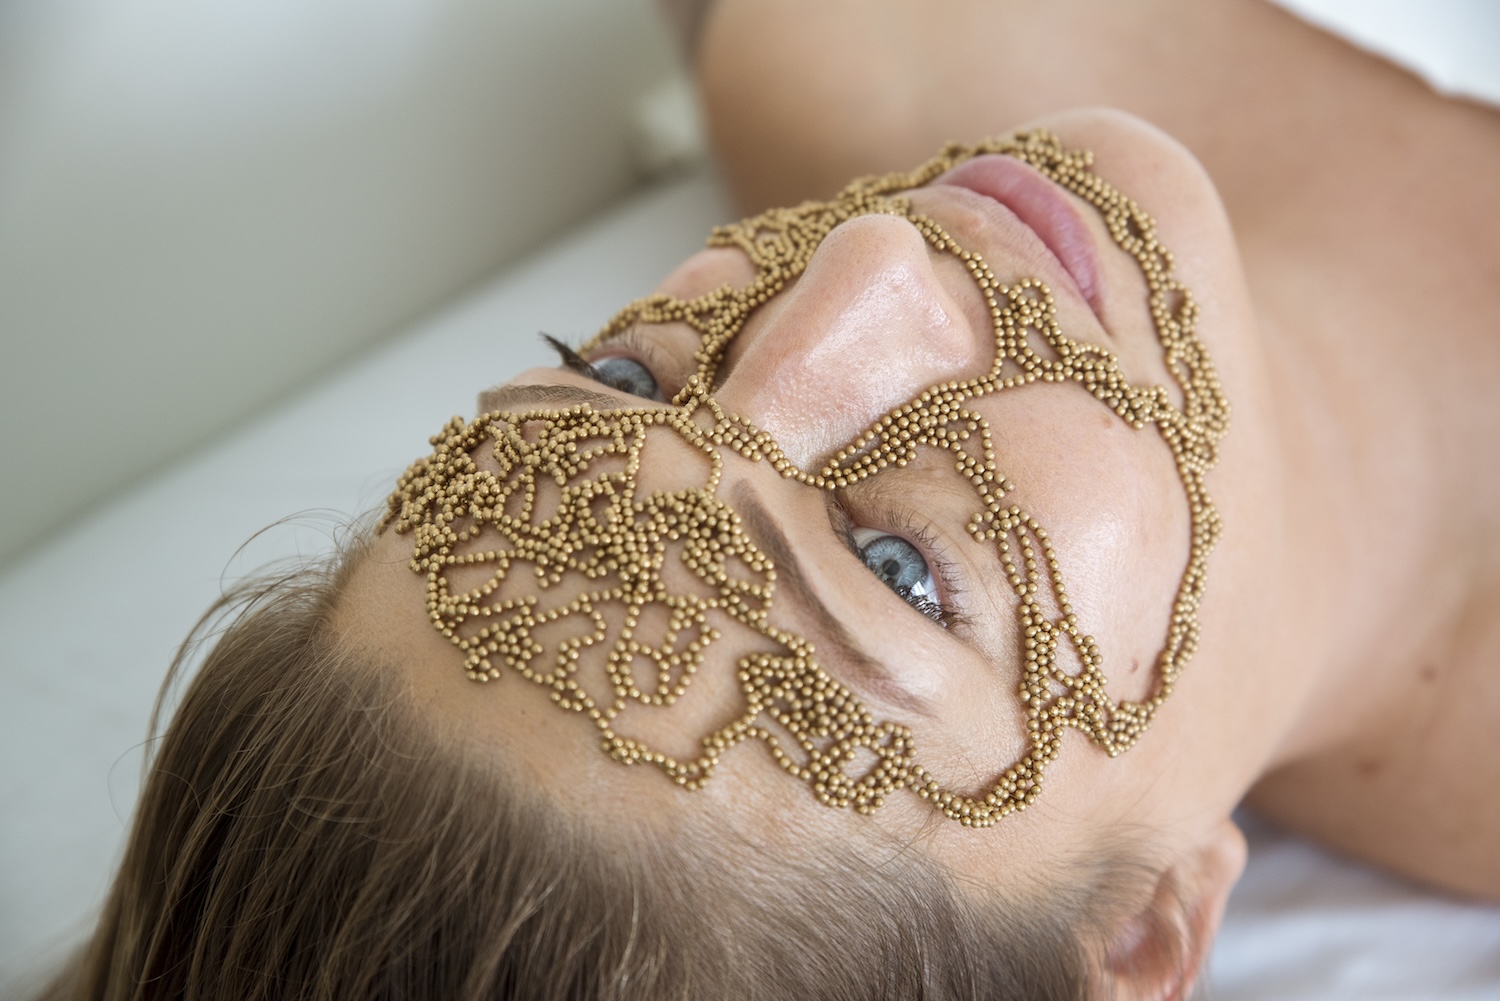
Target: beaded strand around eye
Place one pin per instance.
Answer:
(623, 541)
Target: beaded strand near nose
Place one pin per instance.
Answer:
(565, 504)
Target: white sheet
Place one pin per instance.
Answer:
(1454, 45)
(88, 623)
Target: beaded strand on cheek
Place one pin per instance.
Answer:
(566, 504)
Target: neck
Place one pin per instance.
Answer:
(1384, 361)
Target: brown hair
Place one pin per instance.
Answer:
(304, 833)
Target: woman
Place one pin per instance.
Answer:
(980, 683)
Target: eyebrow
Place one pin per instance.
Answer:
(847, 653)
(514, 398)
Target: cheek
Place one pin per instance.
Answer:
(706, 271)
(1117, 518)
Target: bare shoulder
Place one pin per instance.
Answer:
(801, 97)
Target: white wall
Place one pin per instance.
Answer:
(202, 205)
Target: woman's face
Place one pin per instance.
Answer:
(902, 601)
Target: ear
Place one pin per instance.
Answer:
(1155, 954)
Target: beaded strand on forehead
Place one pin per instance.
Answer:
(566, 504)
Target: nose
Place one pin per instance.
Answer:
(876, 318)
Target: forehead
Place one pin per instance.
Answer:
(546, 558)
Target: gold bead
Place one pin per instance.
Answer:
(626, 540)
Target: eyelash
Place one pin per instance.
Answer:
(572, 360)
(896, 521)
(639, 346)
(899, 521)
(639, 349)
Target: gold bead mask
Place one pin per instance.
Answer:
(664, 572)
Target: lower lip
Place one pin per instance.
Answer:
(1041, 207)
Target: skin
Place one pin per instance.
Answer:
(876, 318)
(1356, 505)
(1371, 251)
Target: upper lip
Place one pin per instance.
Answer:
(1044, 211)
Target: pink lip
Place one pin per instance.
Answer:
(1041, 207)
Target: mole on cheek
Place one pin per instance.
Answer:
(565, 506)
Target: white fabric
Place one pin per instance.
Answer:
(1305, 925)
(1452, 44)
(88, 624)
(204, 206)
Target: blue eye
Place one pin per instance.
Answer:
(899, 565)
(617, 372)
(627, 375)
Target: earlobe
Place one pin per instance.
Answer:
(1156, 953)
